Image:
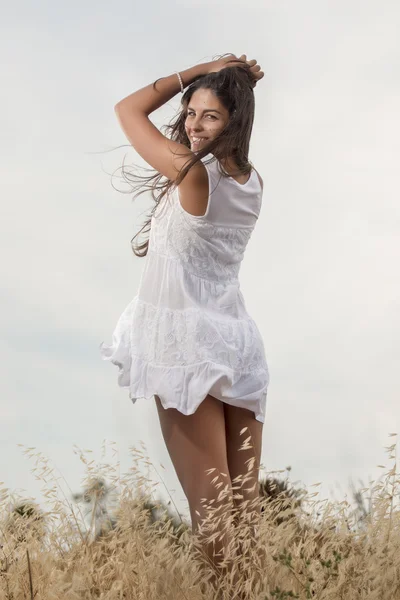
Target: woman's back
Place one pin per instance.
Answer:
(187, 332)
(211, 245)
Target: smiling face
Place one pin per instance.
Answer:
(206, 118)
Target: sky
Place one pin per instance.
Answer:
(319, 276)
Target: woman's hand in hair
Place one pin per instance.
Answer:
(255, 69)
(230, 60)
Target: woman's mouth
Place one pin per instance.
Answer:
(196, 141)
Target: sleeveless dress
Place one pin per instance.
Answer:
(187, 333)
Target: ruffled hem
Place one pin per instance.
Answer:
(181, 386)
(185, 388)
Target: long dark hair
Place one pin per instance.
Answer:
(233, 86)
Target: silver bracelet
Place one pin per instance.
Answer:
(180, 81)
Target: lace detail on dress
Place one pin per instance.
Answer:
(206, 250)
(186, 337)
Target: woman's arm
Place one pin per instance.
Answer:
(148, 99)
(164, 155)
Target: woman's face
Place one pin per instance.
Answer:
(205, 119)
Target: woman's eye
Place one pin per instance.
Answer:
(213, 116)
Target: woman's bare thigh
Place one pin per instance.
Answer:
(195, 443)
(237, 419)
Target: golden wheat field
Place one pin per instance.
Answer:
(114, 541)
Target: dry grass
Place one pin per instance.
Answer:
(128, 547)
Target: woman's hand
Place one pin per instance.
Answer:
(231, 60)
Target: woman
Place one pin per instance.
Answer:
(186, 338)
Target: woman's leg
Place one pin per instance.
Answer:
(195, 444)
(244, 466)
(245, 462)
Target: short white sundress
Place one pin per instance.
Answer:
(187, 333)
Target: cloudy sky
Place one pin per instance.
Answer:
(319, 276)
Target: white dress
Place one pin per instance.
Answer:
(187, 333)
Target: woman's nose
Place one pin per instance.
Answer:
(194, 130)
